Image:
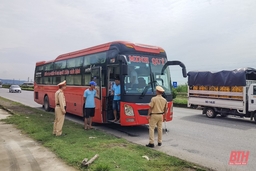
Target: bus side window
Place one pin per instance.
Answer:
(96, 80)
(87, 79)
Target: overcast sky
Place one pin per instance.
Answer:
(203, 34)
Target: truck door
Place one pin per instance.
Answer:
(252, 97)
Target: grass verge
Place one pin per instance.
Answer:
(180, 100)
(27, 89)
(114, 153)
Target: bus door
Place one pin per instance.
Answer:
(97, 77)
(112, 72)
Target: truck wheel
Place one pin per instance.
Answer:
(210, 113)
(46, 104)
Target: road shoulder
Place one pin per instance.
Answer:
(22, 153)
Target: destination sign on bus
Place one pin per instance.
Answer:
(143, 59)
(63, 72)
(140, 59)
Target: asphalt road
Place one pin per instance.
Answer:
(192, 136)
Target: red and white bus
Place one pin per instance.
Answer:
(102, 64)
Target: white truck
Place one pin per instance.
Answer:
(224, 92)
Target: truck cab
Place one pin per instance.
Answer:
(252, 98)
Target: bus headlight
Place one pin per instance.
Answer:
(128, 110)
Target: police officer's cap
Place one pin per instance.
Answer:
(159, 88)
(62, 83)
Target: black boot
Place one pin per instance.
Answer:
(150, 145)
(159, 144)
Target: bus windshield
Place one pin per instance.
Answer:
(145, 71)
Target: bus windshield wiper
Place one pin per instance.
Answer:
(144, 91)
(147, 87)
(153, 81)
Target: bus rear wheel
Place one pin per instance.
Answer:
(46, 104)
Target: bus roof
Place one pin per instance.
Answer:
(44, 62)
(105, 47)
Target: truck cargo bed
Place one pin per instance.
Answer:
(219, 103)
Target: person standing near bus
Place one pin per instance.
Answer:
(116, 91)
(89, 111)
(156, 115)
(60, 109)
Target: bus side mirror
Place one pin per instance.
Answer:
(184, 72)
(125, 69)
(122, 59)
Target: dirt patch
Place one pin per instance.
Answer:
(12, 106)
(19, 109)
(18, 152)
(114, 145)
(5, 102)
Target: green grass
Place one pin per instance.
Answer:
(114, 153)
(180, 95)
(180, 100)
(28, 89)
(182, 88)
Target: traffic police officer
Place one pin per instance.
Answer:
(60, 109)
(156, 115)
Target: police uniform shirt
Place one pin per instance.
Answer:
(158, 104)
(60, 100)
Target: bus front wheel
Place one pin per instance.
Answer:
(46, 103)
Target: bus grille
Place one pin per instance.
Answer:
(143, 112)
